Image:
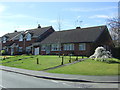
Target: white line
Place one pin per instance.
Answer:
(2, 86)
(54, 81)
(66, 84)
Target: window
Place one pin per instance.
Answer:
(28, 49)
(55, 47)
(4, 39)
(20, 49)
(68, 46)
(21, 38)
(43, 47)
(28, 37)
(82, 46)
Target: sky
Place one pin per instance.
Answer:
(27, 15)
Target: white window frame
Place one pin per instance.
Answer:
(82, 46)
(68, 46)
(28, 37)
(28, 49)
(43, 47)
(55, 47)
(4, 39)
(20, 49)
(21, 38)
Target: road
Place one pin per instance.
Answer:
(14, 80)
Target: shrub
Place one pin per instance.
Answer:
(2, 52)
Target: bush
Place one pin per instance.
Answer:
(2, 52)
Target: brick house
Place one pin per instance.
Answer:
(0, 43)
(79, 41)
(20, 42)
(45, 40)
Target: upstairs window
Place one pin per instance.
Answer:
(21, 38)
(28, 37)
(68, 46)
(82, 46)
(4, 39)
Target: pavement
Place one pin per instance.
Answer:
(63, 77)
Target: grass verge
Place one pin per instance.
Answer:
(31, 63)
(89, 67)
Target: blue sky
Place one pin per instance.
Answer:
(26, 15)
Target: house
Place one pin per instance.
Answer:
(45, 40)
(79, 41)
(0, 43)
(20, 42)
(7, 41)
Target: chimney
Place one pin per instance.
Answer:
(15, 31)
(78, 27)
(39, 26)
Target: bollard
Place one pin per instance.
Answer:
(70, 59)
(76, 58)
(82, 56)
(37, 61)
(62, 60)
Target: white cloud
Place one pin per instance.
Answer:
(99, 16)
(78, 17)
(53, 21)
(2, 8)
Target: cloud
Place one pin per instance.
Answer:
(83, 9)
(78, 17)
(99, 16)
(53, 21)
(2, 8)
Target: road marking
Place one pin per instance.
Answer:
(2, 86)
(54, 81)
(66, 84)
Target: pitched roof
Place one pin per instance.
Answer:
(35, 32)
(89, 34)
(38, 31)
(10, 36)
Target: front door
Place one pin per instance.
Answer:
(12, 51)
(36, 52)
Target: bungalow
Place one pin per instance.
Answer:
(79, 41)
(20, 42)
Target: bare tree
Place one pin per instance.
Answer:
(114, 24)
(59, 25)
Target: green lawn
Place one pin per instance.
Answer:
(12, 58)
(31, 63)
(89, 67)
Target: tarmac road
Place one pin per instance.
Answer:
(15, 80)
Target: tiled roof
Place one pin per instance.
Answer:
(12, 35)
(89, 34)
(35, 32)
(38, 31)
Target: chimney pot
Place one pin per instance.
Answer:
(78, 27)
(39, 26)
(15, 31)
